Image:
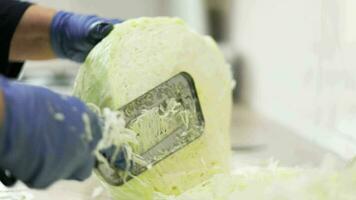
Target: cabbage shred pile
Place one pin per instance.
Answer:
(275, 183)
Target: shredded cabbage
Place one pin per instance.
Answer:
(115, 133)
(156, 123)
(140, 54)
(275, 183)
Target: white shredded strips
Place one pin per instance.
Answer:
(274, 182)
(114, 133)
(88, 133)
(97, 192)
(20, 193)
(59, 116)
(156, 123)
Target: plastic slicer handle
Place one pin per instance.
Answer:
(6, 178)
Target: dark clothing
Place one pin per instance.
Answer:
(10, 15)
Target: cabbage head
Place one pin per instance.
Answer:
(140, 54)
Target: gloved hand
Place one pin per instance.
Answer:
(74, 35)
(45, 136)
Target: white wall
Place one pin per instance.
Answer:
(301, 69)
(191, 11)
(109, 8)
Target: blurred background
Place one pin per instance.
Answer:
(294, 62)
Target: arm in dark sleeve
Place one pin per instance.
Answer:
(11, 12)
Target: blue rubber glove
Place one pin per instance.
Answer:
(74, 35)
(46, 137)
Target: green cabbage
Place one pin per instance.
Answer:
(138, 55)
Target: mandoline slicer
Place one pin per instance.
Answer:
(185, 125)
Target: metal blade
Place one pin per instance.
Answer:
(185, 124)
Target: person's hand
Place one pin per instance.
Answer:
(74, 35)
(45, 136)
